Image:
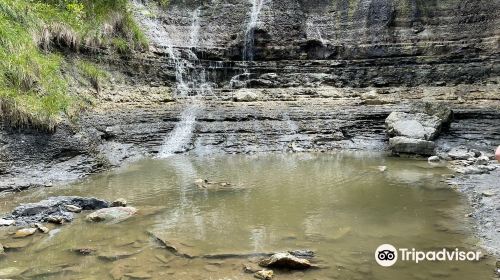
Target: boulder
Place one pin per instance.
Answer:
(53, 209)
(111, 215)
(285, 260)
(411, 146)
(246, 95)
(413, 132)
(2, 250)
(417, 126)
(440, 110)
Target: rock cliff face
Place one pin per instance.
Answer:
(354, 43)
(324, 75)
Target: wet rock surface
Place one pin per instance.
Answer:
(286, 260)
(53, 209)
(111, 215)
(482, 192)
(414, 132)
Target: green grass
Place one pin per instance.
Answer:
(163, 3)
(34, 34)
(92, 72)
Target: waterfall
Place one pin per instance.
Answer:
(179, 138)
(291, 131)
(248, 47)
(191, 83)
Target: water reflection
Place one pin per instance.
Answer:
(340, 205)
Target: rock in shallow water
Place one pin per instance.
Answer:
(24, 232)
(111, 215)
(11, 272)
(264, 274)
(53, 208)
(285, 260)
(42, 228)
(120, 202)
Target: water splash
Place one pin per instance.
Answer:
(313, 31)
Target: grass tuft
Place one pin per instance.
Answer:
(92, 73)
(33, 86)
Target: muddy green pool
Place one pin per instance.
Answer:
(341, 206)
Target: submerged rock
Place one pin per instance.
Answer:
(251, 268)
(181, 249)
(24, 232)
(111, 215)
(264, 274)
(11, 272)
(285, 260)
(116, 255)
(84, 251)
(210, 185)
(53, 209)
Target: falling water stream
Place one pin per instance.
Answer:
(191, 83)
(248, 47)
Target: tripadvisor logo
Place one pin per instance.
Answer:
(387, 255)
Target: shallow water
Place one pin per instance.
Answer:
(339, 205)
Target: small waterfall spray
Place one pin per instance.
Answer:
(191, 83)
(248, 47)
